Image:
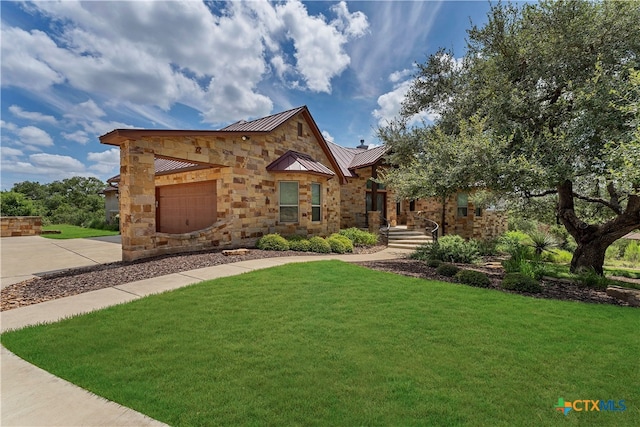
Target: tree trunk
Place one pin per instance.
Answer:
(589, 256)
(593, 240)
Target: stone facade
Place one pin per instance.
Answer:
(247, 194)
(13, 226)
(488, 225)
(353, 195)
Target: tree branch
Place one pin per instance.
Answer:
(613, 206)
(529, 195)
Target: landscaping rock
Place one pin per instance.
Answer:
(229, 252)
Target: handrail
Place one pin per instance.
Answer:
(385, 229)
(434, 231)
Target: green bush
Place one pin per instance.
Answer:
(632, 252)
(446, 269)
(565, 240)
(452, 248)
(319, 245)
(512, 240)
(473, 278)
(590, 279)
(273, 242)
(434, 263)
(300, 245)
(488, 247)
(542, 241)
(521, 283)
(359, 237)
(424, 252)
(340, 244)
(557, 256)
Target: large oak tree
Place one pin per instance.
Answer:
(544, 102)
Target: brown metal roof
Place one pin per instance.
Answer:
(166, 166)
(292, 161)
(350, 159)
(264, 124)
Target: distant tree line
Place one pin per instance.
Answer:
(75, 201)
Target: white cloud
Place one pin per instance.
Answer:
(390, 104)
(106, 162)
(9, 153)
(319, 46)
(32, 115)
(327, 136)
(34, 136)
(11, 127)
(396, 76)
(78, 136)
(56, 162)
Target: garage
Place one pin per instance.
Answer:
(183, 208)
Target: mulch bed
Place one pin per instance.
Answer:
(552, 289)
(84, 279)
(79, 280)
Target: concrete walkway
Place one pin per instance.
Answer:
(33, 397)
(26, 257)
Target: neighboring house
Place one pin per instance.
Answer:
(185, 190)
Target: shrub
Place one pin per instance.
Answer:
(511, 241)
(446, 269)
(616, 250)
(488, 247)
(273, 242)
(473, 278)
(425, 252)
(434, 263)
(453, 249)
(590, 279)
(542, 241)
(340, 244)
(320, 245)
(632, 252)
(300, 245)
(521, 283)
(359, 237)
(558, 256)
(565, 240)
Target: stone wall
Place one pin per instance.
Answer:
(13, 226)
(353, 201)
(247, 194)
(490, 224)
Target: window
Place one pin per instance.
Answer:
(463, 202)
(412, 205)
(299, 129)
(316, 210)
(478, 211)
(289, 201)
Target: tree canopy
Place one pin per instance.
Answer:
(75, 201)
(543, 103)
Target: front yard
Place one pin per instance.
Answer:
(328, 343)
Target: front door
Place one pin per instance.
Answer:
(382, 203)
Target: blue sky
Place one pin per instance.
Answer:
(73, 71)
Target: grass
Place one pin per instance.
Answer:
(75, 232)
(329, 343)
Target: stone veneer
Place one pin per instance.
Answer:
(489, 225)
(247, 194)
(13, 226)
(353, 197)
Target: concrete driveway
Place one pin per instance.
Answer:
(23, 258)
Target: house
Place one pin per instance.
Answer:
(186, 190)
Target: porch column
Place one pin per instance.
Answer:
(137, 200)
(374, 221)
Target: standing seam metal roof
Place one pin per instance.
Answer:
(264, 124)
(353, 158)
(292, 161)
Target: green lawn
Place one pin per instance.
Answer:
(75, 232)
(329, 343)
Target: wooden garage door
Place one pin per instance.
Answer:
(184, 208)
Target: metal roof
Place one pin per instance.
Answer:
(165, 166)
(292, 161)
(350, 159)
(264, 124)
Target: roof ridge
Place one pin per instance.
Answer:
(265, 118)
